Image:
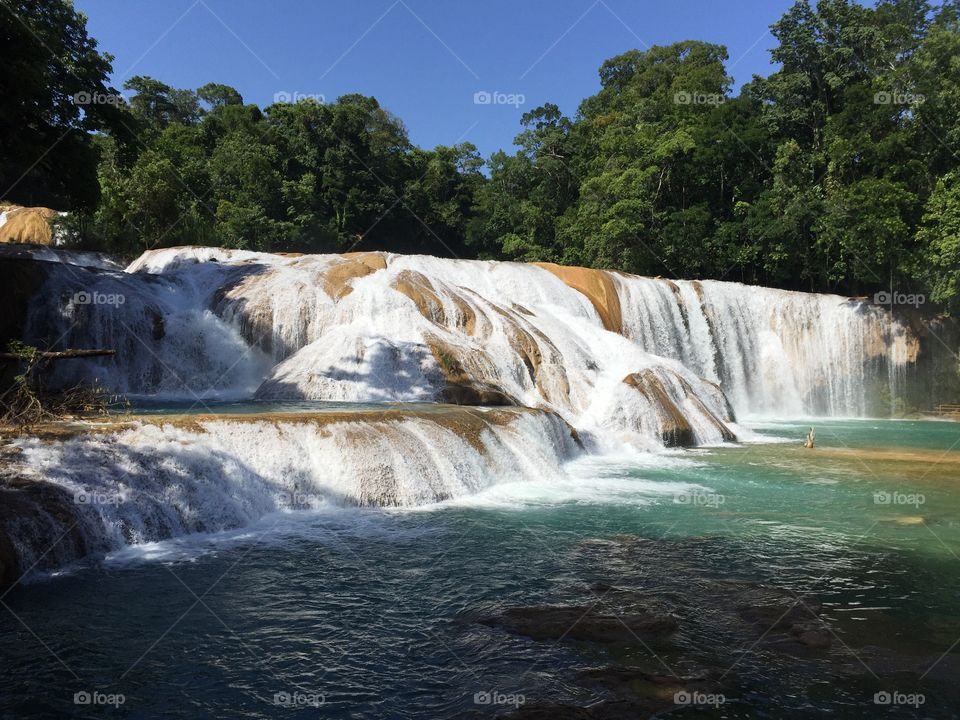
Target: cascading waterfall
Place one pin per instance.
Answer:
(209, 322)
(169, 477)
(774, 352)
(626, 362)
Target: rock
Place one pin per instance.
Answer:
(599, 288)
(812, 634)
(585, 623)
(607, 710)
(27, 225)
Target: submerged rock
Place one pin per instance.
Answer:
(586, 623)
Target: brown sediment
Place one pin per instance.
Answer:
(33, 511)
(464, 371)
(675, 429)
(917, 455)
(597, 285)
(894, 468)
(465, 422)
(721, 427)
(425, 296)
(338, 278)
(27, 225)
(254, 318)
(530, 345)
(418, 288)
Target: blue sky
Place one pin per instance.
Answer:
(422, 59)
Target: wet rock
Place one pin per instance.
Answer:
(585, 623)
(812, 634)
(609, 710)
(636, 693)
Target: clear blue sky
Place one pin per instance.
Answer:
(422, 59)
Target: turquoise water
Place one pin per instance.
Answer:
(372, 613)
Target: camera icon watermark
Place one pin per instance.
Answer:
(298, 699)
(894, 97)
(95, 697)
(295, 96)
(883, 497)
(686, 697)
(891, 298)
(297, 499)
(84, 297)
(96, 497)
(494, 697)
(701, 499)
(98, 98)
(885, 697)
(687, 97)
(483, 97)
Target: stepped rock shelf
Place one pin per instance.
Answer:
(102, 486)
(535, 364)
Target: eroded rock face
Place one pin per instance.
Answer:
(598, 286)
(39, 528)
(31, 225)
(674, 426)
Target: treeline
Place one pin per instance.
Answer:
(840, 171)
(208, 169)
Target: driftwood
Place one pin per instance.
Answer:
(58, 354)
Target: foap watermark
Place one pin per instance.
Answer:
(686, 97)
(85, 297)
(95, 697)
(495, 697)
(98, 98)
(295, 96)
(96, 497)
(884, 497)
(483, 97)
(298, 699)
(686, 697)
(885, 697)
(892, 298)
(895, 97)
(297, 499)
(703, 499)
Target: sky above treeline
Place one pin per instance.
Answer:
(452, 70)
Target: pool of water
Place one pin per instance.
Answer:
(356, 613)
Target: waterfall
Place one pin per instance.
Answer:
(774, 352)
(549, 360)
(166, 477)
(197, 323)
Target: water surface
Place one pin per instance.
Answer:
(372, 613)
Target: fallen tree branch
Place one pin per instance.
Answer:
(59, 354)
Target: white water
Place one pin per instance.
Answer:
(157, 481)
(201, 323)
(775, 352)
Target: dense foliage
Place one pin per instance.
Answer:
(840, 171)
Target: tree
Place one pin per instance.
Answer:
(55, 92)
(940, 239)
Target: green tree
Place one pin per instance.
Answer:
(55, 91)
